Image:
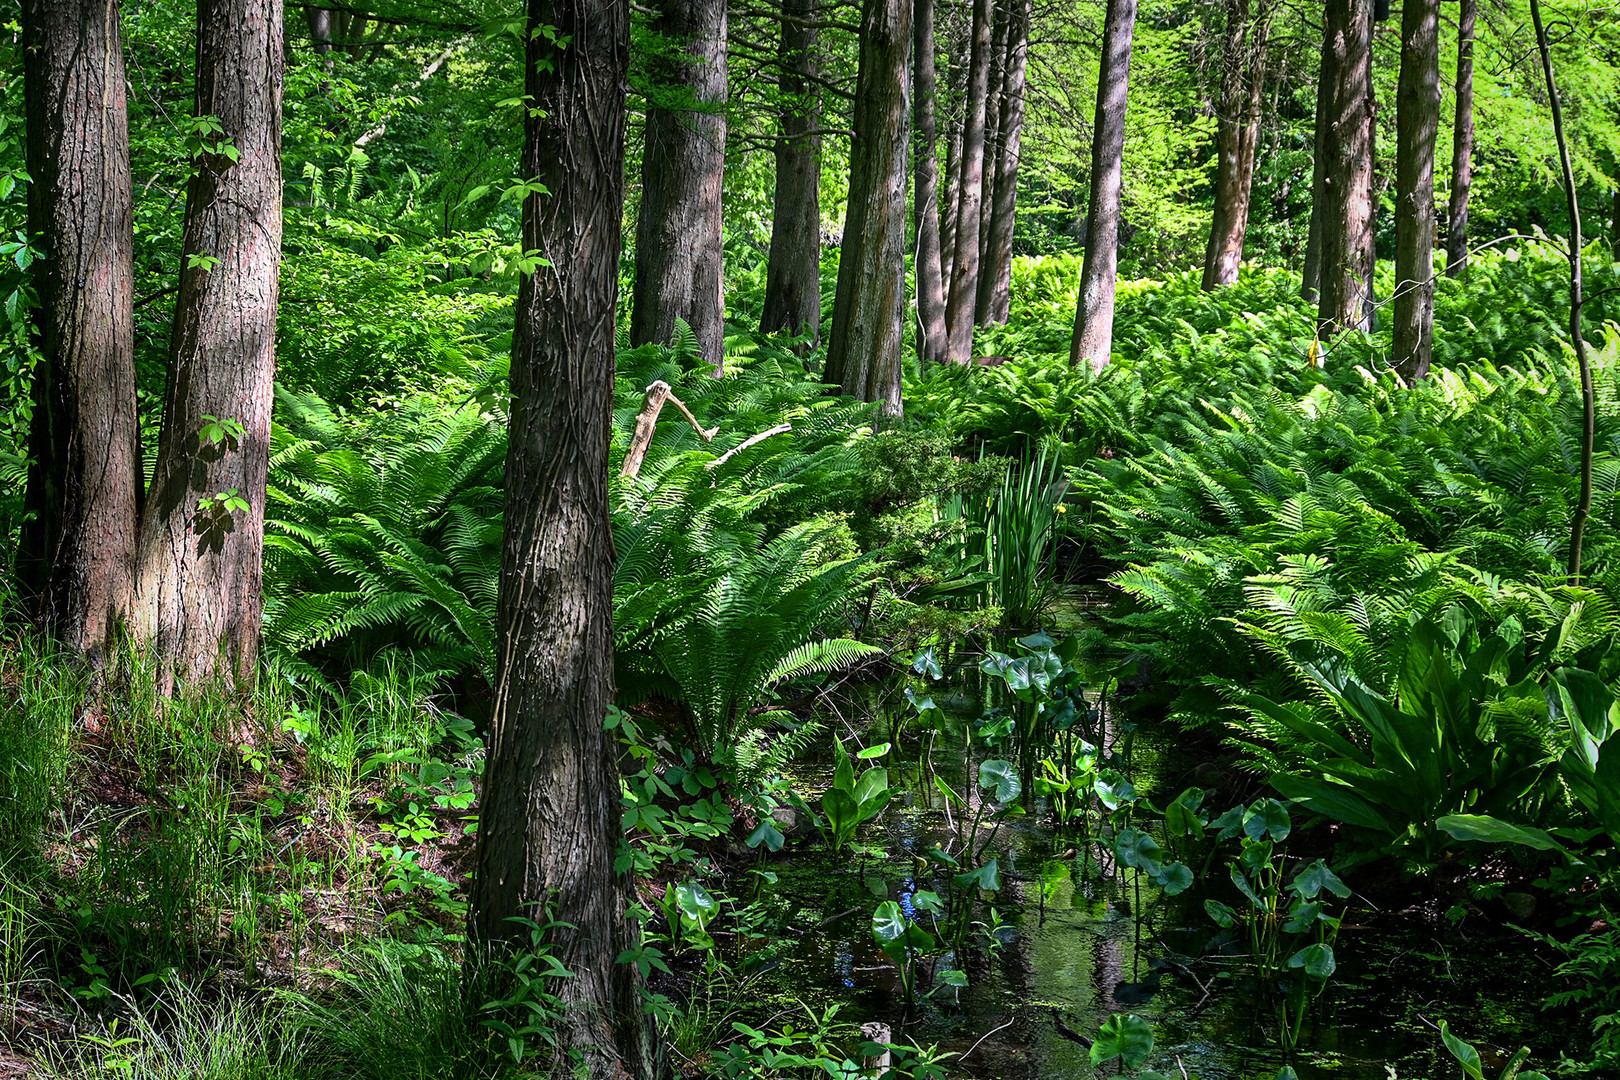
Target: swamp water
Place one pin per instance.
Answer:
(1073, 941)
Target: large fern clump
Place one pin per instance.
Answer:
(736, 572)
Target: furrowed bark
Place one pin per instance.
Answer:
(200, 564)
(549, 812)
(1347, 164)
(1417, 122)
(1312, 272)
(1237, 136)
(678, 231)
(793, 272)
(77, 553)
(863, 350)
(995, 276)
(961, 290)
(1093, 339)
(1462, 143)
(925, 192)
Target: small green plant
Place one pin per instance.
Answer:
(216, 430)
(852, 801)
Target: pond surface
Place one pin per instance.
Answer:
(1071, 944)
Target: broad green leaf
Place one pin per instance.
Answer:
(1315, 877)
(872, 752)
(1473, 1068)
(1223, 915)
(1317, 960)
(1002, 776)
(1175, 879)
(1267, 819)
(768, 834)
(1489, 830)
(987, 877)
(1138, 850)
(1127, 1037)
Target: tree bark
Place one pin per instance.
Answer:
(925, 193)
(1237, 135)
(320, 28)
(1347, 166)
(678, 232)
(863, 351)
(200, 563)
(962, 289)
(1093, 339)
(1462, 143)
(77, 553)
(793, 272)
(992, 142)
(947, 218)
(1311, 275)
(1417, 122)
(549, 813)
(995, 276)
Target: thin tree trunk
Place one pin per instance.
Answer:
(1462, 143)
(995, 277)
(992, 147)
(863, 350)
(1310, 277)
(549, 813)
(925, 194)
(1093, 340)
(678, 232)
(962, 289)
(200, 564)
(1417, 123)
(793, 273)
(77, 553)
(947, 220)
(1346, 204)
(1577, 299)
(1237, 136)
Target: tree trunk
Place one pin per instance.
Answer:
(1237, 135)
(1417, 122)
(1347, 165)
(1094, 314)
(925, 194)
(320, 28)
(678, 232)
(1462, 143)
(549, 813)
(863, 351)
(200, 565)
(992, 145)
(1310, 278)
(953, 176)
(962, 289)
(793, 273)
(995, 277)
(77, 554)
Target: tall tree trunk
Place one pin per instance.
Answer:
(320, 28)
(1347, 165)
(1237, 135)
(78, 551)
(925, 192)
(953, 176)
(992, 140)
(678, 232)
(793, 273)
(863, 351)
(1093, 339)
(1462, 143)
(549, 814)
(995, 276)
(1310, 278)
(962, 290)
(1417, 123)
(200, 565)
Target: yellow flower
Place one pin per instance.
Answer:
(1060, 508)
